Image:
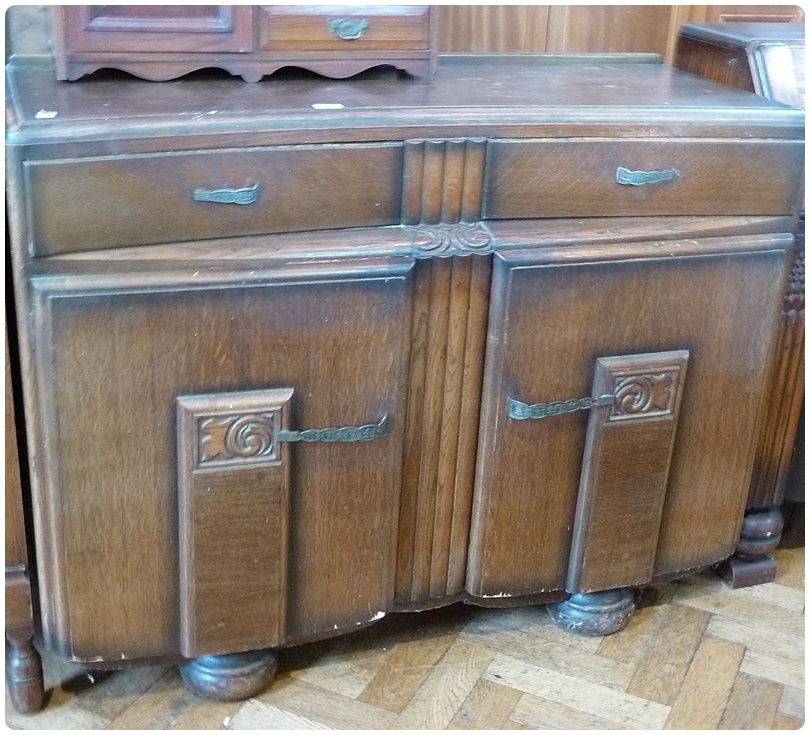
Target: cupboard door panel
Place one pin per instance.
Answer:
(233, 477)
(112, 367)
(139, 28)
(625, 468)
(552, 316)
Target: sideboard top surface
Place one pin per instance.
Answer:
(743, 34)
(467, 91)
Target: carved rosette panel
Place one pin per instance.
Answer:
(643, 386)
(625, 470)
(638, 396)
(232, 430)
(455, 239)
(443, 181)
(235, 439)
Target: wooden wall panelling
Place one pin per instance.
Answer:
(608, 28)
(493, 28)
(587, 28)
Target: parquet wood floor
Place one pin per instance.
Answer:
(699, 656)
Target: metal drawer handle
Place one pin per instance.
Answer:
(518, 410)
(640, 178)
(349, 29)
(248, 195)
(344, 434)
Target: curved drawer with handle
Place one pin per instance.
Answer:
(102, 202)
(603, 178)
(309, 28)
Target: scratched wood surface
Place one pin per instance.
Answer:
(698, 656)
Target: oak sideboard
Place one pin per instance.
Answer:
(301, 353)
(766, 58)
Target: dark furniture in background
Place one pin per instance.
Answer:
(481, 336)
(161, 42)
(768, 59)
(23, 664)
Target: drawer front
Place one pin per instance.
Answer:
(598, 178)
(343, 28)
(107, 202)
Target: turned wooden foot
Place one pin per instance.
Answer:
(231, 677)
(26, 686)
(594, 613)
(751, 563)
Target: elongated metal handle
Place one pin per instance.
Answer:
(344, 434)
(349, 29)
(247, 195)
(518, 410)
(640, 178)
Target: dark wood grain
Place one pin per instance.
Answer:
(16, 548)
(431, 308)
(162, 43)
(769, 59)
(601, 96)
(530, 469)
(115, 28)
(625, 469)
(150, 199)
(233, 509)
(177, 340)
(305, 28)
(557, 178)
(447, 343)
(23, 664)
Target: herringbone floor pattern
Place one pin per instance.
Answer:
(700, 656)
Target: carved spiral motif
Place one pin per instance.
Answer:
(249, 436)
(642, 393)
(455, 239)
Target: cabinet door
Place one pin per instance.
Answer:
(557, 313)
(150, 539)
(139, 28)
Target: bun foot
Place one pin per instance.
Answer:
(594, 613)
(231, 677)
(24, 675)
(751, 563)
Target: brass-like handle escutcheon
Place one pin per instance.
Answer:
(246, 195)
(348, 29)
(640, 178)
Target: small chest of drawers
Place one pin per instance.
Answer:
(165, 42)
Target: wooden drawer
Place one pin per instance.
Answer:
(114, 201)
(343, 27)
(592, 178)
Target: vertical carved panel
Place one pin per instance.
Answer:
(233, 481)
(443, 181)
(783, 407)
(448, 335)
(625, 470)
